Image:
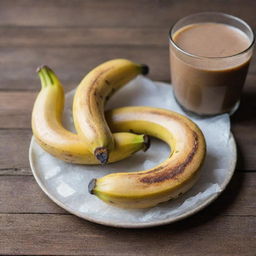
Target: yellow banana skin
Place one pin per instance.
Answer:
(172, 177)
(55, 139)
(88, 106)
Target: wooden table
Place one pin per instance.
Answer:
(73, 36)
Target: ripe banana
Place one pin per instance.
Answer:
(55, 139)
(167, 180)
(88, 106)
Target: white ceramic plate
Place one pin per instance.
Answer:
(66, 184)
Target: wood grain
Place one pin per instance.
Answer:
(114, 13)
(245, 138)
(72, 64)
(25, 196)
(16, 115)
(57, 37)
(67, 235)
(14, 148)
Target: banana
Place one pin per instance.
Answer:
(172, 177)
(55, 139)
(88, 106)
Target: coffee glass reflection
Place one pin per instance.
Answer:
(209, 59)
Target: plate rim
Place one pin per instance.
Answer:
(170, 220)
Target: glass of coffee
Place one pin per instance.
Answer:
(209, 57)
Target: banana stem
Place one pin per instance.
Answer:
(91, 186)
(144, 69)
(101, 154)
(147, 142)
(47, 76)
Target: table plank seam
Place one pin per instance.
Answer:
(77, 46)
(246, 170)
(69, 214)
(39, 213)
(15, 90)
(15, 128)
(3, 90)
(20, 26)
(50, 254)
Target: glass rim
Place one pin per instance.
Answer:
(210, 13)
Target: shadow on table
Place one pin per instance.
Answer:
(241, 163)
(243, 126)
(247, 109)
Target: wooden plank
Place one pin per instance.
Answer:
(245, 139)
(40, 36)
(244, 116)
(16, 115)
(26, 171)
(72, 64)
(25, 196)
(243, 127)
(114, 13)
(67, 235)
(14, 148)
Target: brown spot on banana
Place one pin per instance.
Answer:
(171, 173)
(107, 82)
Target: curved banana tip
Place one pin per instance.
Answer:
(147, 142)
(41, 67)
(91, 186)
(101, 154)
(144, 69)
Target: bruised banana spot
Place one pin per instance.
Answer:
(174, 171)
(107, 82)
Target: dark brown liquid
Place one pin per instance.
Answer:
(209, 85)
